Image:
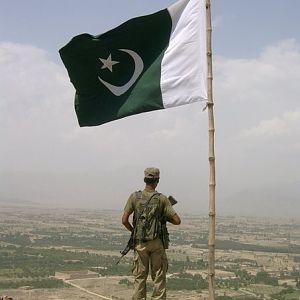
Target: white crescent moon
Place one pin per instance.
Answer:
(138, 69)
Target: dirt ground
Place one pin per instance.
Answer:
(49, 294)
(107, 287)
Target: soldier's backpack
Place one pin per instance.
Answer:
(147, 217)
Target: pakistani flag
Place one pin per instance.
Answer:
(151, 62)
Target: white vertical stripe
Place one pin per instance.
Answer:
(184, 65)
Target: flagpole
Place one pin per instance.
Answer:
(211, 159)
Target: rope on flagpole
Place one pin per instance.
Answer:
(211, 159)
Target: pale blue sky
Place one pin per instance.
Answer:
(243, 27)
(49, 159)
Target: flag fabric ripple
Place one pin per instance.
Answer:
(148, 63)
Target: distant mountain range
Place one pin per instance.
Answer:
(281, 199)
(15, 201)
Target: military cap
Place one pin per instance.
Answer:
(151, 173)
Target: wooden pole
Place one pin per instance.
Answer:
(211, 159)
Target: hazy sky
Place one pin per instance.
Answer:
(46, 157)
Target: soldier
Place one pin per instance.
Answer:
(151, 211)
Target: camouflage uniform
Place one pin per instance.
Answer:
(150, 252)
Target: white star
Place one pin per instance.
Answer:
(108, 63)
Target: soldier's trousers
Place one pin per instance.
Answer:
(153, 254)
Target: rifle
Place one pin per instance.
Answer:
(130, 245)
(164, 234)
(172, 200)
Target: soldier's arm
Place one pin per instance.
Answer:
(175, 219)
(170, 213)
(125, 221)
(128, 210)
